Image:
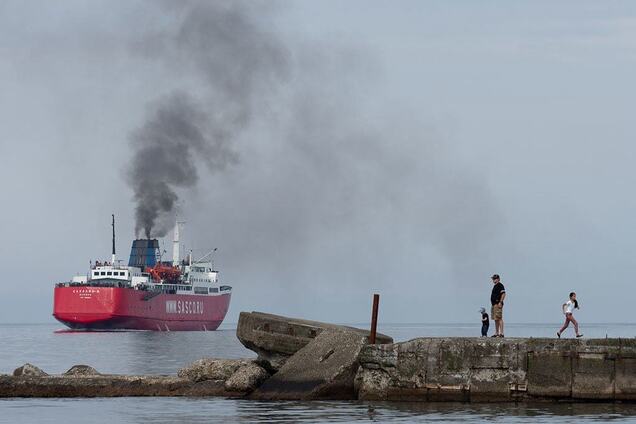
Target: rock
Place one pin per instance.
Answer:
(79, 370)
(275, 338)
(28, 370)
(324, 369)
(246, 378)
(211, 369)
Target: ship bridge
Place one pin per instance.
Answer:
(110, 272)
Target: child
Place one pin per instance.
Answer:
(568, 309)
(484, 322)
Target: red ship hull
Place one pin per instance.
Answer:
(112, 308)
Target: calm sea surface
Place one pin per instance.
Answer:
(138, 352)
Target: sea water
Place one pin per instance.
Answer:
(141, 352)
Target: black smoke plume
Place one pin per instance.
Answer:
(327, 170)
(227, 46)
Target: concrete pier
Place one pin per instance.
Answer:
(310, 360)
(498, 370)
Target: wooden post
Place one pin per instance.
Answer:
(374, 318)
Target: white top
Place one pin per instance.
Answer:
(569, 307)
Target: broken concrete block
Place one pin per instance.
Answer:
(323, 369)
(275, 338)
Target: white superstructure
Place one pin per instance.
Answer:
(178, 277)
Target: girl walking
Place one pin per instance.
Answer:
(568, 309)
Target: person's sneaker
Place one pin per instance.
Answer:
(501, 335)
(558, 335)
(579, 335)
(495, 335)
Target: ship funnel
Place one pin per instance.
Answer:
(144, 253)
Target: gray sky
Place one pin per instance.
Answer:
(412, 148)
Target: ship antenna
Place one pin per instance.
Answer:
(113, 256)
(211, 252)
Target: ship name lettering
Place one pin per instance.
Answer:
(87, 291)
(187, 307)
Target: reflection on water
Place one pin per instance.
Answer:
(532, 412)
(187, 410)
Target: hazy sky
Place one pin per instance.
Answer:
(409, 148)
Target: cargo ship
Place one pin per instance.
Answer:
(147, 294)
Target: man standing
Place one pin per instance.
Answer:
(497, 300)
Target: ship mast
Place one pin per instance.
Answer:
(113, 254)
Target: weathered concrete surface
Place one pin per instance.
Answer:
(107, 386)
(484, 369)
(275, 338)
(206, 377)
(324, 369)
(247, 378)
(237, 375)
(211, 369)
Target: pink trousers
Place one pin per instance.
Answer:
(570, 318)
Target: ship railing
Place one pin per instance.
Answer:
(108, 265)
(93, 284)
(72, 284)
(173, 287)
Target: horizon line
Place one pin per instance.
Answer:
(471, 323)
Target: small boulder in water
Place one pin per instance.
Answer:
(28, 370)
(79, 370)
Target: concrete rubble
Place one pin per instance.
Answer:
(275, 338)
(324, 369)
(310, 359)
(246, 378)
(205, 377)
(307, 360)
(211, 369)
